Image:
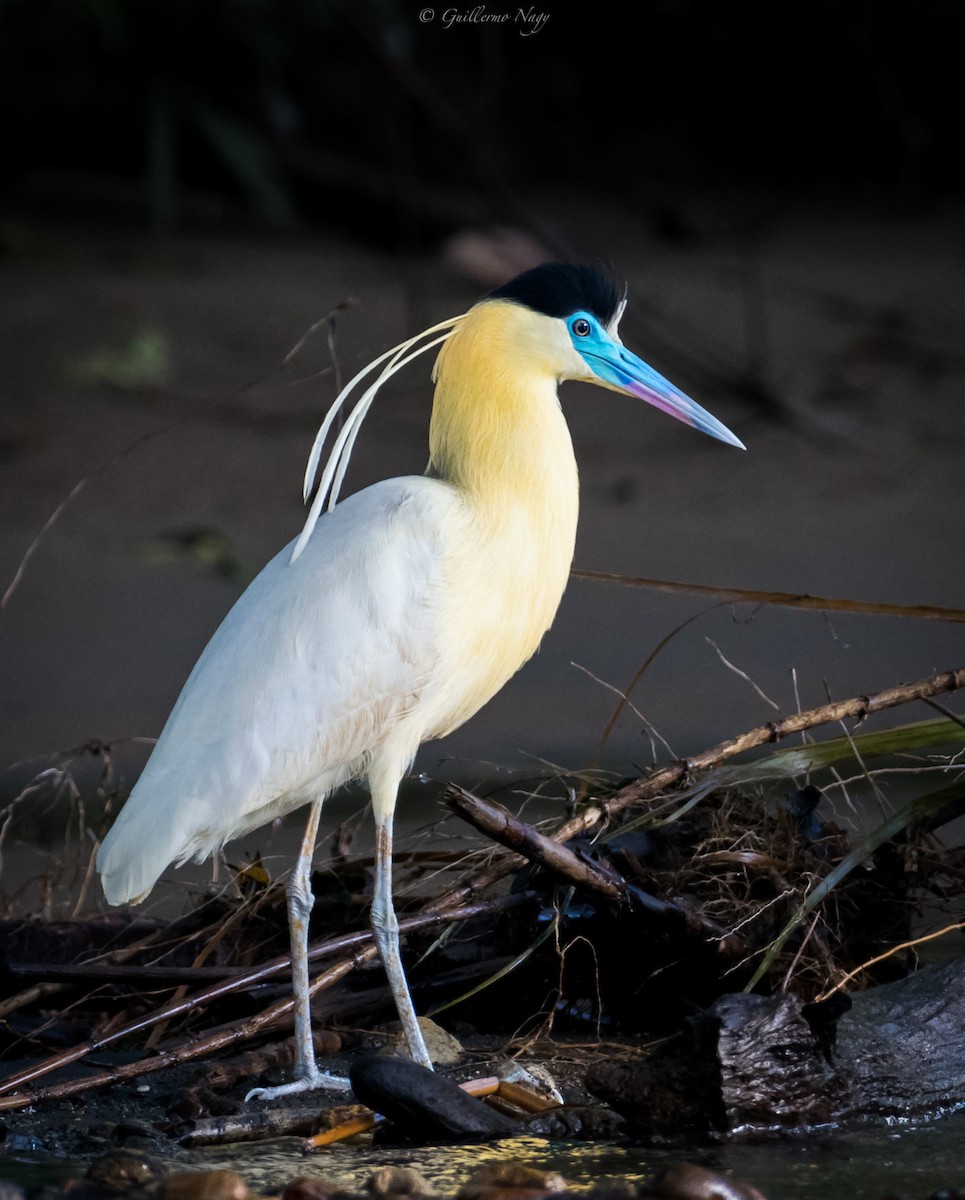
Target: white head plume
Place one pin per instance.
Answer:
(330, 483)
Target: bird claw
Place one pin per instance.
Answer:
(307, 1083)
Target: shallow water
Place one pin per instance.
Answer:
(909, 1162)
(865, 1165)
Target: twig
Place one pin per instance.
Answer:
(115, 973)
(40, 991)
(216, 937)
(927, 612)
(742, 674)
(249, 1127)
(789, 975)
(35, 544)
(907, 815)
(638, 675)
(234, 1035)
(927, 937)
(500, 825)
(946, 712)
(625, 702)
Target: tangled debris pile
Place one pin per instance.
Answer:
(716, 882)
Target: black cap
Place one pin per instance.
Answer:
(561, 289)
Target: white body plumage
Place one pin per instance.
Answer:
(410, 605)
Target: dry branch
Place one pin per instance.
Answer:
(232, 1036)
(249, 1127)
(658, 781)
(857, 707)
(114, 973)
(500, 825)
(927, 612)
(666, 777)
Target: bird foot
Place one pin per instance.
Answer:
(305, 1083)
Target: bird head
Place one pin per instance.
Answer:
(551, 323)
(582, 308)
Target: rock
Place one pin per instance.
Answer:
(584, 1122)
(131, 1128)
(308, 1187)
(536, 1077)
(612, 1189)
(516, 1179)
(673, 1092)
(684, 1181)
(198, 1101)
(424, 1105)
(444, 1049)
(22, 1143)
(103, 1130)
(125, 1170)
(203, 1185)
(510, 1193)
(399, 1181)
(338, 1114)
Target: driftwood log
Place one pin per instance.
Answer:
(753, 1065)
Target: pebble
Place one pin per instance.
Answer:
(123, 1170)
(308, 1187)
(612, 1189)
(685, 1181)
(522, 1181)
(536, 1077)
(590, 1122)
(203, 1185)
(444, 1049)
(132, 1128)
(338, 1114)
(513, 1193)
(22, 1143)
(399, 1181)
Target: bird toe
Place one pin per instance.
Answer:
(306, 1083)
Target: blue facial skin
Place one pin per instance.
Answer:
(615, 365)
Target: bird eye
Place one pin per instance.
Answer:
(581, 327)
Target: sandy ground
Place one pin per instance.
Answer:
(852, 316)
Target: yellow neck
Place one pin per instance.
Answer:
(497, 432)
(499, 439)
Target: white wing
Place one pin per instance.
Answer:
(317, 662)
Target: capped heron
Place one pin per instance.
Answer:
(396, 614)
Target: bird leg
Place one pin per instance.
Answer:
(385, 928)
(298, 892)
